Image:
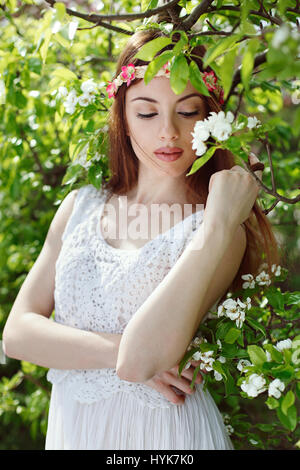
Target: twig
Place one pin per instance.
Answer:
(36, 382)
(266, 142)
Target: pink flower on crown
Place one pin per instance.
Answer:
(111, 89)
(166, 68)
(210, 80)
(128, 73)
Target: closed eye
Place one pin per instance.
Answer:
(147, 116)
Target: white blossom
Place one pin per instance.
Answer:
(253, 122)
(263, 279)
(276, 269)
(250, 283)
(284, 344)
(229, 429)
(226, 418)
(2, 92)
(242, 364)
(89, 86)
(86, 99)
(62, 92)
(70, 102)
(233, 310)
(217, 124)
(199, 146)
(201, 130)
(205, 358)
(220, 125)
(217, 375)
(254, 385)
(280, 35)
(275, 388)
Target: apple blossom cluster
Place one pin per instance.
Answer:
(206, 358)
(228, 427)
(89, 89)
(262, 279)
(235, 310)
(256, 384)
(82, 158)
(219, 126)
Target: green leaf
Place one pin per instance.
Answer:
(257, 355)
(156, 64)
(272, 403)
(219, 48)
(275, 297)
(256, 325)
(248, 62)
(229, 385)
(289, 421)
(65, 74)
(275, 354)
(227, 69)
(45, 45)
(200, 161)
(95, 176)
(150, 49)
(217, 366)
(196, 79)
(179, 74)
(287, 402)
(181, 43)
(232, 335)
(71, 174)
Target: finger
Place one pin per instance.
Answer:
(256, 165)
(169, 393)
(181, 383)
(189, 374)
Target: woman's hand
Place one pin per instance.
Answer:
(232, 194)
(165, 381)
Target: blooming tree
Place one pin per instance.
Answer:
(56, 62)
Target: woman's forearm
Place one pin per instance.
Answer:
(158, 334)
(41, 341)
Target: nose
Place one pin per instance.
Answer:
(168, 130)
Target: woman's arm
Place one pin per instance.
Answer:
(31, 335)
(159, 333)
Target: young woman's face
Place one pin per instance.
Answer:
(158, 118)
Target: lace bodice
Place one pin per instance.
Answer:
(99, 288)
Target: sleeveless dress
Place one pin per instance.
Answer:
(99, 288)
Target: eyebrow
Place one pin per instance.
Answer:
(151, 100)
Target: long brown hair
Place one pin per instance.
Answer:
(123, 164)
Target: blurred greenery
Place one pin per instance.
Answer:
(43, 147)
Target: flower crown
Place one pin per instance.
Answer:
(130, 72)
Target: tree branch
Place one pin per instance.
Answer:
(93, 18)
(195, 15)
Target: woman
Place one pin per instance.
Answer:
(127, 307)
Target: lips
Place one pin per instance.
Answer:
(168, 150)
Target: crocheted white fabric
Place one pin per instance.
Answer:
(99, 288)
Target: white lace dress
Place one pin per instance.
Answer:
(99, 288)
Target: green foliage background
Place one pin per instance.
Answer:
(39, 143)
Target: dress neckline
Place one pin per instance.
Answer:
(98, 216)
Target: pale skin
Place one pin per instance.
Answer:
(32, 336)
